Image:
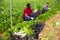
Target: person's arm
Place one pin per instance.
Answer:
(26, 15)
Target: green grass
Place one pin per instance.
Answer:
(17, 11)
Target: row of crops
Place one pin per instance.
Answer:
(17, 11)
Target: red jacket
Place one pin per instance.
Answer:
(28, 11)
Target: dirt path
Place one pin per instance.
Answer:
(0, 34)
(51, 32)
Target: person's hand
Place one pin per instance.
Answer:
(35, 10)
(32, 18)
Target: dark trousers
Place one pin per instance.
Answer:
(44, 10)
(26, 19)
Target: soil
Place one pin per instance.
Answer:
(48, 26)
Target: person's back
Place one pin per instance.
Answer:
(27, 13)
(45, 8)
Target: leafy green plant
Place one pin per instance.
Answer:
(17, 12)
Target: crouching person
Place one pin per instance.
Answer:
(45, 8)
(27, 13)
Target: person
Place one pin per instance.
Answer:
(27, 13)
(45, 8)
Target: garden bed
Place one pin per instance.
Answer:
(37, 29)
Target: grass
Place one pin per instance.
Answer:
(17, 11)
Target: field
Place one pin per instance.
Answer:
(17, 12)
